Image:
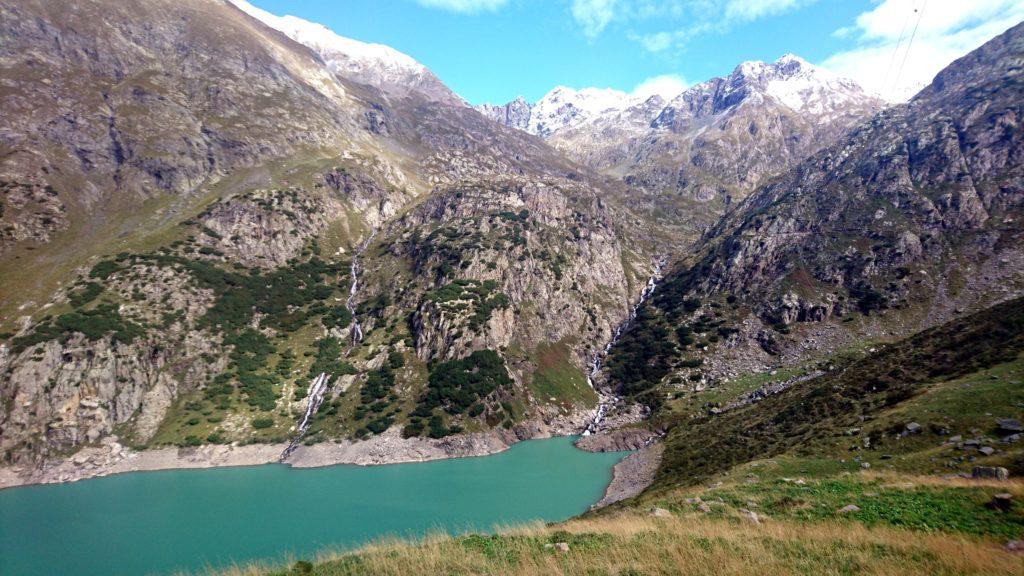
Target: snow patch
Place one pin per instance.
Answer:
(565, 107)
(366, 62)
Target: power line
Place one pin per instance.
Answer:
(910, 44)
(892, 59)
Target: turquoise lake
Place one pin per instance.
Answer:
(188, 520)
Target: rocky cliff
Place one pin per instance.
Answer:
(912, 217)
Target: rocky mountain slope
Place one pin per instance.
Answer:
(202, 214)
(375, 65)
(709, 146)
(911, 218)
(223, 227)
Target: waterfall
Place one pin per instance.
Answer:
(595, 366)
(314, 399)
(357, 329)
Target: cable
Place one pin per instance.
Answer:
(892, 59)
(910, 45)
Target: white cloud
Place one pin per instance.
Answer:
(668, 86)
(593, 15)
(464, 6)
(701, 17)
(896, 69)
(657, 42)
(753, 9)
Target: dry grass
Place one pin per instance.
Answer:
(633, 544)
(1014, 486)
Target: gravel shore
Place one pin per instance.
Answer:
(632, 475)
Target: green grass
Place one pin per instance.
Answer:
(928, 508)
(558, 378)
(828, 406)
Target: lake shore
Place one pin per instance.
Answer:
(632, 475)
(111, 457)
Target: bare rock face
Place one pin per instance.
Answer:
(515, 114)
(266, 227)
(65, 393)
(517, 262)
(911, 216)
(918, 182)
(618, 440)
(29, 211)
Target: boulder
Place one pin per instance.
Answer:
(562, 547)
(1009, 425)
(750, 516)
(849, 508)
(660, 513)
(987, 450)
(990, 472)
(913, 428)
(1002, 502)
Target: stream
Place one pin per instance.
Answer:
(318, 388)
(609, 398)
(357, 329)
(315, 398)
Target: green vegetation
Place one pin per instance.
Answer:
(830, 405)
(635, 544)
(482, 298)
(455, 387)
(103, 320)
(84, 294)
(559, 378)
(337, 317)
(881, 501)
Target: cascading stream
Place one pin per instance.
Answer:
(318, 389)
(357, 329)
(606, 400)
(315, 398)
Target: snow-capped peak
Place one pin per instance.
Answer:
(563, 107)
(796, 83)
(368, 63)
(805, 87)
(790, 58)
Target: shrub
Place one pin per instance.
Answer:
(456, 385)
(104, 269)
(261, 423)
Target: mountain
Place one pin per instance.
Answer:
(709, 146)
(909, 219)
(563, 108)
(373, 64)
(224, 228)
(202, 211)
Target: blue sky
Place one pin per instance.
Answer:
(494, 50)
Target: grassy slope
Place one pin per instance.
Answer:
(794, 460)
(634, 544)
(558, 380)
